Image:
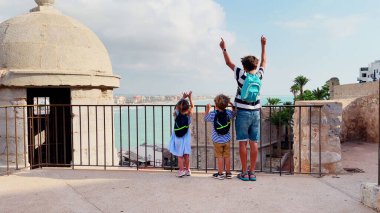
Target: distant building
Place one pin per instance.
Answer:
(370, 73)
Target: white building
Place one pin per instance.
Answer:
(370, 73)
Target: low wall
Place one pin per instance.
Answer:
(354, 90)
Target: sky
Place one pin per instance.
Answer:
(164, 47)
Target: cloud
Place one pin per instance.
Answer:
(170, 39)
(337, 27)
(152, 42)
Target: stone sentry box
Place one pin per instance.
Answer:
(47, 54)
(328, 142)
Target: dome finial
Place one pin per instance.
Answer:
(44, 2)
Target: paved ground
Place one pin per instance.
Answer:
(57, 190)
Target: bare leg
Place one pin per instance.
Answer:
(253, 154)
(180, 163)
(228, 164)
(187, 161)
(243, 155)
(220, 165)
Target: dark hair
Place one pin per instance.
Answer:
(250, 62)
(221, 101)
(183, 105)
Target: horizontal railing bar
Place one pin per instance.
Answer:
(142, 105)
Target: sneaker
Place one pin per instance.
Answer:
(218, 176)
(252, 176)
(228, 175)
(181, 173)
(188, 172)
(243, 176)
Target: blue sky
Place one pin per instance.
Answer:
(168, 46)
(318, 39)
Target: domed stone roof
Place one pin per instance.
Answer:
(46, 48)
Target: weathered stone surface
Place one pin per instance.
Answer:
(370, 195)
(360, 119)
(349, 91)
(13, 130)
(320, 129)
(90, 141)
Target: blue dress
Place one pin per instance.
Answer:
(180, 146)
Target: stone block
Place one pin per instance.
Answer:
(311, 140)
(370, 195)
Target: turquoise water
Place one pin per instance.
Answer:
(151, 124)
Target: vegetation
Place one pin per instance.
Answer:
(273, 101)
(316, 94)
(280, 117)
(301, 81)
(295, 89)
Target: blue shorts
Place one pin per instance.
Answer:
(247, 125)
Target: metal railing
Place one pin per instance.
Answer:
(137, 136)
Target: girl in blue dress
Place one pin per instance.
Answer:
(180, 141)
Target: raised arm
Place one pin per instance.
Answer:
(263, 53)
(208, 107)
(191, 101)
(227, 58)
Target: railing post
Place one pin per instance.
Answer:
(6, 137)
(72, 136)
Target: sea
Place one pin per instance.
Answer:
(153, 124)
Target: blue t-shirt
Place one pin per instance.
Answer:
(215, 136)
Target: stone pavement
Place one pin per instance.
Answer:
(65, 190)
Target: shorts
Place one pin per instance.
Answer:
(247, 125)
(222, 150)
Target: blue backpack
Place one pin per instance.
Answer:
(251, 88)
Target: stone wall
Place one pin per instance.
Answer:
(13, 129)
(329, 145)
(355, 90)
(92, 129)
(360, 119)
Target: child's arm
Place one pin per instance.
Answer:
(233, 110)
(208, 107)
(227, 58)
(191, 102)
(263, 53)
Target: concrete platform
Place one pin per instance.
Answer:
(51, 190)
(65, 190)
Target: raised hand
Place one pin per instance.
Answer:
(208, 107)
(222, 44)
(263, 40)
(184, 95)
(189, 94)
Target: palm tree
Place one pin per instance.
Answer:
(319, 94)
(301, 81)
(295, 89)
(273, 101)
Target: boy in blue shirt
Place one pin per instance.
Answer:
(221, 118)
(247, 123)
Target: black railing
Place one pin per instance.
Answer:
(138, 136)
